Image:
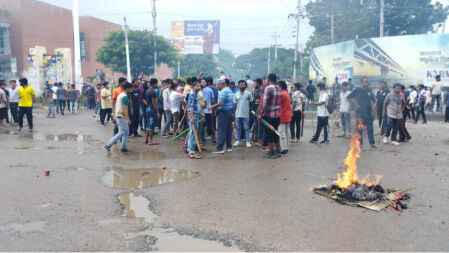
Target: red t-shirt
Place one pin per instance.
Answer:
(286, 114)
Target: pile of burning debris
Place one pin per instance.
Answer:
(348, 189)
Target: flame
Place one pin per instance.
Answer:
(350, 176)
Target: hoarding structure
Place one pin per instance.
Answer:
(196, 36)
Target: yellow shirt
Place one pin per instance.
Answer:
(26, 96)
(106, 103)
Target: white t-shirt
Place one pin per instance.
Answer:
(344, 103)
(54, 89)
(175, 101)
(413, 96)
(436, 88)
(321, 110)
(250, 86)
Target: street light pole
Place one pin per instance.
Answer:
(298, 16)
(153, 13)
(128, 64)
(76, 37)
(382, 6)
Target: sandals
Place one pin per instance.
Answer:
(194, 156)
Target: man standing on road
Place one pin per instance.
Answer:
(393, 106)
(271, 113)
(225, 107)
(258, 128)
(49, 99)
(422, 94)
(152, 111)
(73, 97)
(106, 103)
(14, 101)
(435, 91)
(193, 117)
(345, 110)
(380, 98)
(61, 95)
(117, 91)
(364, 101)
(210, 100)
(250, 84)
(310, 93)
(322, 114)
(242, 100)
(135, 94)
(286, 117)
(4, 106)
(26, 96)
(298, 102)
(167, 109)
(122, 118)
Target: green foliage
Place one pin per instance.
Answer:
(226, 62)
(91, 78)
(141, 50)
(361, 18)
(194, 64)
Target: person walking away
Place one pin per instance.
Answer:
(91, 98)
(55, 97)
(258, 128)
(49, 100)
(106, 103)
(345, 110)
(152, 111)
(310, 93)
(271, 113)
(4, 106)
(286, 117)
(322, 114)
(210, 100)
(67, 98)
(404, 135)
(298, 104)
(135, 95)
(73, 96)
(122, 118)
(167, 109)
(380, 98)
(14, 101)
(242, 101)
(225, 108)
(365, 102)
(392, 109)
(435, 92)
(61, 95)
(98, 100)
(413, 100)
(26, 98)
(422, 95)
(193, 116)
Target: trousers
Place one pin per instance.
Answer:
(123, 133)
(323, 124)
(295, 125)
(224, 118)
(28, 111)
(284, 130)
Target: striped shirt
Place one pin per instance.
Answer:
(227, 97)
(271, 104)
(193, 103)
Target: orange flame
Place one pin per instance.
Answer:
(350, 176)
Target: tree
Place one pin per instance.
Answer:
(141, 52)
(226, 62)
(193, 64)
(361, 18)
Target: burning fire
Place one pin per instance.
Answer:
(350, 177)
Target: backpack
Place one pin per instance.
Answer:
(331, 104)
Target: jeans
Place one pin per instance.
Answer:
(209, 124)
(51, 109)
(97, 107)
(393, 127)
(242, 122)
(323, 124)
(284, 129)
(104, 113)
(224, 118)
(192, 143)
(255, 129)
(446, 115)
(421, 112)
(67, 102)
(141, 116)
(61, 105)
(295, 125)
(123, 133)
(28, 111)
(55, 104)
(134, 123)
(74, 106)
(382, 122)
(438, 99)
(14, 108)
(175, 116)
(151, 119)
(368, 123)
(346, 122)
(168, 122)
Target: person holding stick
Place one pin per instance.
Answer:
(271, 112)
(225, 108)
(193, 114)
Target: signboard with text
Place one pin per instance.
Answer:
(196, 36)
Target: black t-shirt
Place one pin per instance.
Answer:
(257, 95)
(363, 97)
(150, 94)
(135, 98)
(380, 97)
(310, 91)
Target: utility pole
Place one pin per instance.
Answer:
(297, 17)
(269, 59)
(76, 37)
(332, 28)
(382, 21)
(153, 13)
(128, 64)
(275, 37)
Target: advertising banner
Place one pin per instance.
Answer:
(196, 36)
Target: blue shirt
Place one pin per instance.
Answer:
(227, 97)
(209, 94)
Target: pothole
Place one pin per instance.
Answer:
(165, 239)
(132, 179)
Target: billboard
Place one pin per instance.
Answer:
(411, 59)
(196, 36)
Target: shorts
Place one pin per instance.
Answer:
(151, 119)
(272, 137)
(3, 113)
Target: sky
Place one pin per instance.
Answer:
(245, 24)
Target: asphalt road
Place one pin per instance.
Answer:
(235, 201)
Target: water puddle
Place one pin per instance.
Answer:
(34, 226)
(146, 155)
(166, 240)
(143, 178)
(57, 137)
(38, 148)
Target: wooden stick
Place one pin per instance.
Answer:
(302, 123)
(196, 138)
(179, 124)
